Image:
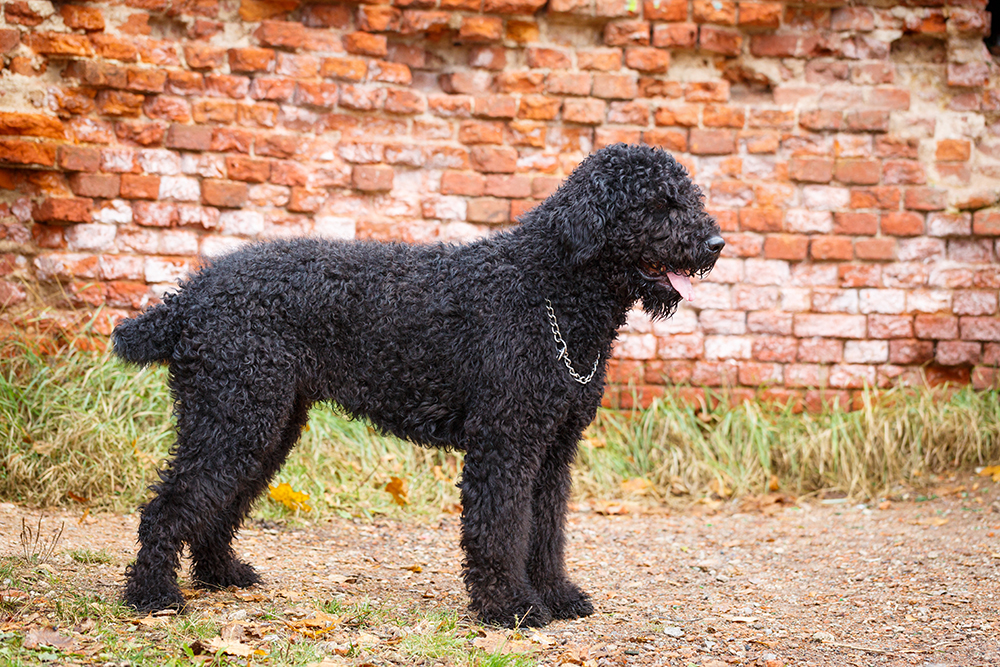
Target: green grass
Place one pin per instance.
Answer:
(83, 428)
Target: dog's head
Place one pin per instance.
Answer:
(636, 208)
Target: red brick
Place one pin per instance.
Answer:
(647, 59)
(760, 14)
(957, 353)
(16, 151)
(774, 46)
(539, 107)
(80, 17)
(488, 210)
(669, 140)
(821, 119)
(855, 224)
(189, 137)
(675, 35)
(722, 12)
(712, 142)
(792, 247)
(494, 159)
(508, 186)
(213, 110)
(859, 275)
(404, 101)
(685, 115)
(820, 350)
(626, 33)
(861, 172)
(903, 172)
(887, 197)
(347, 69)
(101, 186)
(185, 83)
(867, 121)
(587, 111)
(953, 150)
(810, 170)
(723, 116)
(379, 18)
(372, 178)
(316, 94)
(875, 249)
(707, 91)
(272, 88)
(79, 158)
(59, 44)
(980, 328)
(936, 327)
(241, 168)
(720, 40)
(832, 248)
(925, 199)
(287, 34)
(665, 10)
(251, 59)
(495, 106)
(909, 351)
(468, 183)
(986, 222)
(761, 220)
(63, 210)
(615, 86)
(139, 186)
(224, 194)
(890, 326)
(327, 16)
(224, 85)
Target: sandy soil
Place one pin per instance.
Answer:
(910, 583)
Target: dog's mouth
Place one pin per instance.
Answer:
(663, 275)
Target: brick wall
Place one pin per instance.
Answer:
(851, 154)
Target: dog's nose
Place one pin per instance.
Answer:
(716, 244)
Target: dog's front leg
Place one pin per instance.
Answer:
(496, 534)
(546, 562)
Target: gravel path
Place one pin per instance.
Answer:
(905, 584)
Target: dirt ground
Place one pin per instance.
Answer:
(765, 583)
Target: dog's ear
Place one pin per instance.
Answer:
(581, 228)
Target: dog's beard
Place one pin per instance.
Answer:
(657, 301)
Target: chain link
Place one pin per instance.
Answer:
(564, 349)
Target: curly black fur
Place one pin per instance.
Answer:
(445, 345)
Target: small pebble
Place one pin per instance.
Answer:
(673, 631)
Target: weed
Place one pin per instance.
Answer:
(88, 557)
(35, 548)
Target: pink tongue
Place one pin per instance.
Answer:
(682, 284)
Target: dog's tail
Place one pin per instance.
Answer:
(149, 337)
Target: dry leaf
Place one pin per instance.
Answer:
(398, 488)
(719, 488)
(937, 521)
(991, 471)
(290, 498)
(637, 485)
(678, 487)
(229, 647)
(412, 568)
(36, 637)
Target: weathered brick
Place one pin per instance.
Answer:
(711, 142)
(286, 34)
(720, 40)
(251, 59)
(63, 210)
(488, 210)
(189, 137)
(140, 186)
(838, 326)
(627, 33)
(102, 186)
(372, 178)
(675, 35)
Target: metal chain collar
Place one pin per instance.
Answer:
(564, 349)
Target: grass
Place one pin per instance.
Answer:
(82, 428)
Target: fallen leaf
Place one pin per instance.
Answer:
(412, 568)
(290, 498)
(398, 489)
(229, 647)
(47, 636)
(991, 471)
(719, 488)
(637, 485)
(614, 507)
(936, 521)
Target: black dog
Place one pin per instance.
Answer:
(497, 348)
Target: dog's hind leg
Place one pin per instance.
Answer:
(496, 529)
(214, 563)
(546, 562)
(219, 462)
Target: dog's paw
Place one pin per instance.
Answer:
(568, 602)
(235, 573)
(149, 600)
(523, 615)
